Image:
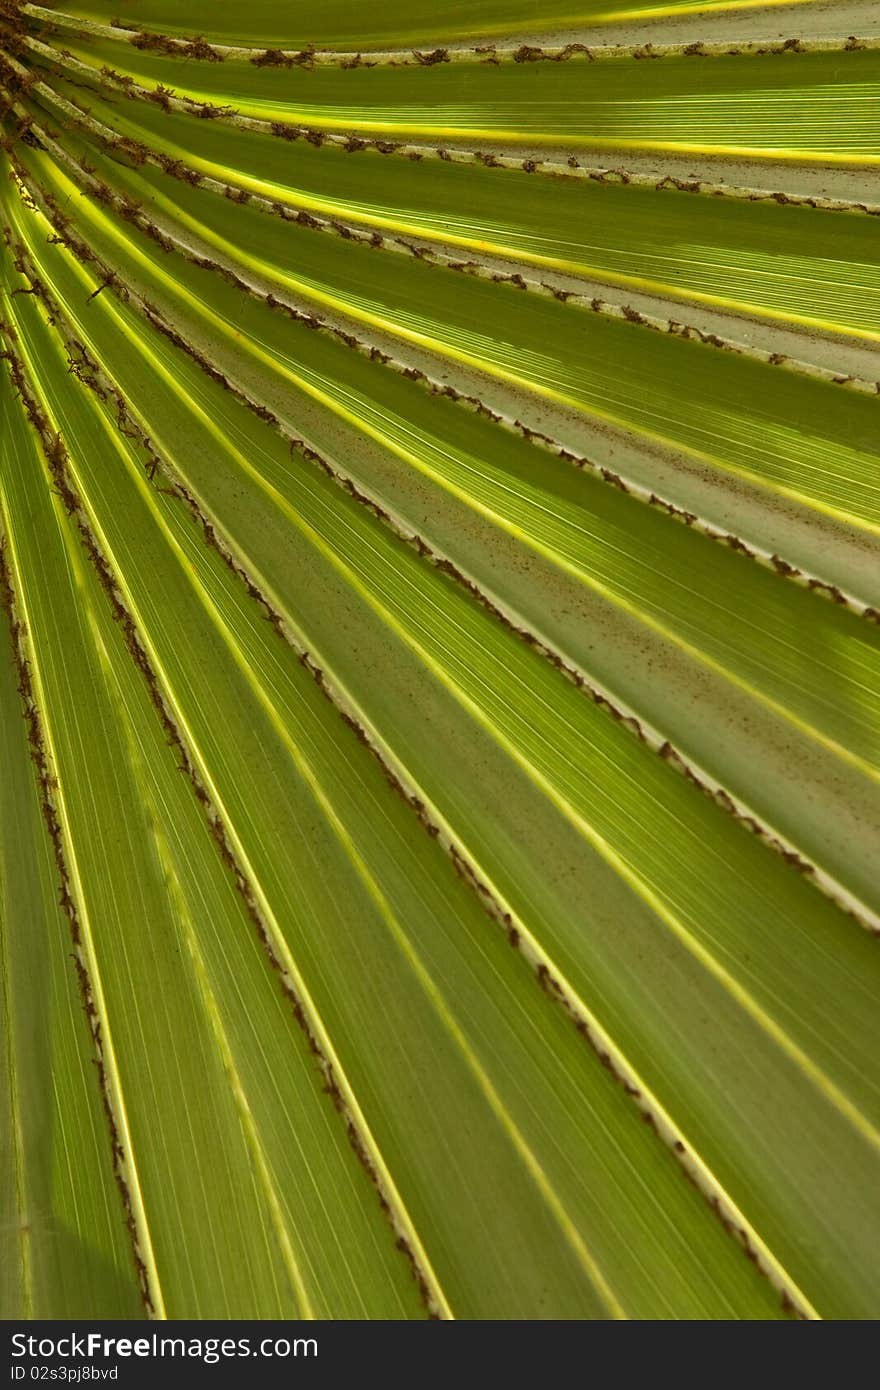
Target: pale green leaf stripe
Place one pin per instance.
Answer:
(797, 264)
(536, 1105)
(65, 1251)
(777, 107)
(804, 440)
(378, 689)
(197, 1164)
(333, 23)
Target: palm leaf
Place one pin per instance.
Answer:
(438, 847)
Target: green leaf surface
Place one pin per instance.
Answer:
(204, 1048)
(453, 696)
(796, 263)
(514, 1118)
(772, 106)
(806, 440)
(338, 22)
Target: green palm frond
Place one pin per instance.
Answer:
(439, 699)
